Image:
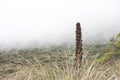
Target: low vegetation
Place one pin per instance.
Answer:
(100, 62)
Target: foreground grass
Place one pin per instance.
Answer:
(58, 66)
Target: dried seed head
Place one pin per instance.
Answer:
(79, 49)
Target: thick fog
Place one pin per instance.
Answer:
(25, 22)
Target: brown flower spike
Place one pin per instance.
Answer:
(78, 49)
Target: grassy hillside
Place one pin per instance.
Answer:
(57, 63)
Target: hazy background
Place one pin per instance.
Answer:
(25, 22)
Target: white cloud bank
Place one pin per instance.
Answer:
(54, 20)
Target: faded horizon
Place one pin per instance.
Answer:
(27, 22)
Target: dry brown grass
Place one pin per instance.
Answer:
(90, 70)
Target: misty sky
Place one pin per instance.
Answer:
(24, 21)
